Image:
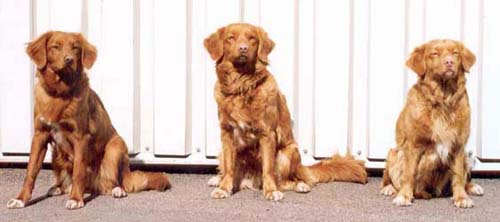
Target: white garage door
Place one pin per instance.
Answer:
(339, 63)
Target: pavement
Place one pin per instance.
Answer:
(189, 200)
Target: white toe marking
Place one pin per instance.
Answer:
(118, 192)
(214, 181)
(237, 137)
(277, 195)
(477, 190)
(401, 201)
(388, 190)
(302, 187)
(464, 203)
(73, 204)
(247, 184)
(15, 203)
(218, 193)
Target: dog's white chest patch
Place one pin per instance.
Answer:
(238, 137)
(243, 134)
(442, 151)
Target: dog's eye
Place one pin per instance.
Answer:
(253, 39)
(434, 54)
(456, 53)
(56, 47)
(76, 48)
(230, 38)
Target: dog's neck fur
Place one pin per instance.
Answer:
(55, 87)
(241, 79)
(443, 91)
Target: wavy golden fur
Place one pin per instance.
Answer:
(88, 154)
(258, 147)
(433, 128)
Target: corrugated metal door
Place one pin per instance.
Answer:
(339, 63)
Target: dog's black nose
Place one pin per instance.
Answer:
(68, 60)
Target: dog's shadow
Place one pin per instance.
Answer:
(48, 195)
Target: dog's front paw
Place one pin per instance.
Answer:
(219, 193)
(274, 195)
(476, 190)
(214, 181)
(74, 204)
(15, 204)
(302, 188)
(402, 201)
(464, 202)
(118, 192)
(388, 190)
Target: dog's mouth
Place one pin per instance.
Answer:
(449, 73)
(242, 59)
(68, 75)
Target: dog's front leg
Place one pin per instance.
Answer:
(80, 146)
(228, 161)
(411, 155)
(267, 145)
(458, 181)
(37, 154)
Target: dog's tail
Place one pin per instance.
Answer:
(337, 168)
(135, 181)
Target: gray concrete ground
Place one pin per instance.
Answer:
(189, 200)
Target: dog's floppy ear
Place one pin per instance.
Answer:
(89, 52)
(416, 62)
(266, 45)
(37, 50)
(215, 44)
(468, 58)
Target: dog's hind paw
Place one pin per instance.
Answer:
(54, 191)
(302, 188)
(118, 192)
(214, 181)
(476, 190)
(388, 190)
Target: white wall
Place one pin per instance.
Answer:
(339, 63)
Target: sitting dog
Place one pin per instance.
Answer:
(258, 147)
(88, 154)
(433, 128)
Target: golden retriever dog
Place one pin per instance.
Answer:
(258, 147)
(88, 154)
(433, 128)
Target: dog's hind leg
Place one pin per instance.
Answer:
(109, 171)
(115, 177)
(288, 164)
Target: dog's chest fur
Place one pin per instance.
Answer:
(47, 106)
(445, 132)
(240, 114)
(243, 115)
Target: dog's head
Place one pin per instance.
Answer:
(63, 54)
(241, 44)
(443, 59)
